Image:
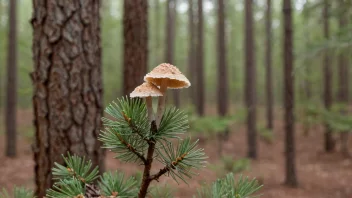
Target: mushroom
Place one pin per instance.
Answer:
(147, 90)
(166, 76)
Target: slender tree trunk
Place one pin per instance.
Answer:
(170, 40)
(192, 72)
(135, 32)
(67, 83)
(343, 89)
(268, 62)
(11, 92)
(156, 32)
(1, 69)
(222, 66)
(289, 96)
(329, 141)
(250, 84)
(200, 64)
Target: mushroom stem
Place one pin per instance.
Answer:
(161, 101)
(149, 103)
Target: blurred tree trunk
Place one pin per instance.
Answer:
(157, 32)
(11, 89)
(192, 72)
(67, 83)
(289, 96)
(170, 41)
(1, 75)
(222, 66)
(329, 141)
(250, 83)
(135, 32)
(200, 62)
(343, 89)
(268, 62)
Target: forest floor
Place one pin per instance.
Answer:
(320, 175)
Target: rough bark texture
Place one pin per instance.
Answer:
(329, 141)
(343, 80)
(192, 52)
(170, 41)
(67, 83)
(268, 63)
(222, 66)
(135, 32)
(250, 83)
(200, 61)
(290, 177)
(11, 91)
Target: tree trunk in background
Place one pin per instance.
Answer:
(200, 64)
(135, 33)
(268, 62)
(250, 83)
(289, 96)
(67, 83)
(343, 81)
(157, 33)
(222, 66)
(1, 69)
(192, 72)
(11, 89)
(329, 141)
(170, 41)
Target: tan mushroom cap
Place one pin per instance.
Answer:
(165, 70)
(145, 90)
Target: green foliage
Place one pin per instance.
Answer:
(229, 188)
(180, 160)
(229, 164)
(162, 191)
(18, 192)
(173, 123)
(266, 135)
(65, 188)
(77, 167)
(115, 182)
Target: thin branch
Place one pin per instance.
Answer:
(167, 167)
(134, 128)
(132, 149)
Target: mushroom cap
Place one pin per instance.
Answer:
(145, 90)
(165, 70)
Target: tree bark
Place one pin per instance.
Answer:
(329, 141)
(170, 41)
(250, 83)
(268, 62)
(192, 70)
(343, 89)
(289, 96)
(135, 32)
(200, 62)
(67, 83)
(157, 32)
(11, 91)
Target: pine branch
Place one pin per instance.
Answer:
(132, 149)
(166, 169)
(114, 184)
(66, 188)
(134, 128)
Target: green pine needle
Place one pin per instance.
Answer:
(181, 161)
(115, 183)
(228, 188)
(66, 188)
(76, 167)
(173, 123)
(18, 192)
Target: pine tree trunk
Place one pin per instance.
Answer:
(289, 96)
(200, 62)
(268, 62)
(67, 83)
(135, 32)
(343, 89)
(250, 83)
(156, 33)
(170, 41)
(11, 91)
(329, 141)
(192, 72)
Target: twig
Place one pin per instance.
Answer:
(167, 167)
(132, 149)
(134, 128)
